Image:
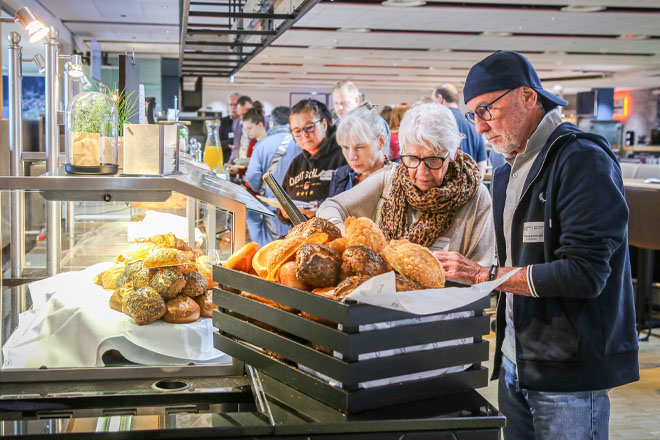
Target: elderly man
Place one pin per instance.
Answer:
(473, 144)
(566, 325)
(243, 104)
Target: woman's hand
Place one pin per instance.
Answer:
(311, 212)
(461, 269)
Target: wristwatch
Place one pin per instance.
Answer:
(492, 273)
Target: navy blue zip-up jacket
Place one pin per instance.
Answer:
(577, 331)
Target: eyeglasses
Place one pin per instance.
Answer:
(432, 163)
(483, 111)
(309, 128)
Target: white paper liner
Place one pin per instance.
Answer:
(71, 325)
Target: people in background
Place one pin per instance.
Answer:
(395, 120)
(566, 324)
(473, 143)
(243, 104)
(345, 97)
(309, 175)
(386, 112)
(227, 125)
(273, 154)
(361, 136)
(433, 196)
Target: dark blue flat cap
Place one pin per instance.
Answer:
(505, 70)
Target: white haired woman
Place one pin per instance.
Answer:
(433, 197)
(362, 137)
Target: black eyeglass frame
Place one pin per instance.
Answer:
(471, 116)
(304, 129)
(443, 159)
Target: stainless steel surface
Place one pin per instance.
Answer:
(53, 209)
(36, 156)
(191, 214)
(203, 186)
(16, 148)
(210, 234)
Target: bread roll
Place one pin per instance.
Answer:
(365, 232)
(242, 259)
(360, 260)
(145, 306)
(349, 285)
(109, 277)
(415, 262)
(405, 284)
(168, 282)
(315, 225)
(195, 284)
(164, 257)
(206, 306)
(317, 265)
(181, 310)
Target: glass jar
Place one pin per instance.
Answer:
(183, 140)
(91, 134)
(212, 149)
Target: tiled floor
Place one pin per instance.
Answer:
(635, 408)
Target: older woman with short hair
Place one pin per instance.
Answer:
(362, 137)
(433, 197)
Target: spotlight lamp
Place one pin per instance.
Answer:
(35, 28)
(74, 67)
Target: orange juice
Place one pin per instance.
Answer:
(213, 157)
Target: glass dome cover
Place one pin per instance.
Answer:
(91, 134)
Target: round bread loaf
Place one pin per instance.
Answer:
(168, 282)
(360, 260)
(404, 284)
(349, 285)
(195, 284)
(181, 310)
(141, 279)
(206, 306)
(317, 265)
(314, 225)
(145, 306)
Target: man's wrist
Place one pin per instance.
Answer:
(482, 275)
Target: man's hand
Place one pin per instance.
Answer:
(461, 269)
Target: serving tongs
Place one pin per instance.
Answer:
(289, 207)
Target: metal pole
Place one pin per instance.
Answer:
(16, 148)
(52, 152)
(68, 92)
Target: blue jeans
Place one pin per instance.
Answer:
(543, 415)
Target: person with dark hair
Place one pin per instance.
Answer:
(308, 178)
(395, 120)
(273, 155)
(280, 116)
(566, 319)
(386, 112)
(472, 144)
(227, 125)
(243, 104)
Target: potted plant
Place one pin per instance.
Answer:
(91, 134)
(126, 109)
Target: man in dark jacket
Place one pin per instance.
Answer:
(566, 324)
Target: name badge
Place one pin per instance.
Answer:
(533, 232)
(231, 135)
(325, 175)
(441, 244)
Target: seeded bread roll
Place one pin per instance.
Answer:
(168, 282)
(195, 284)
(145, 306)
(181, 310)
(349, 285)
(360, 260)
(317, 265)
(404, 284)
(314, 225)
(142, 279)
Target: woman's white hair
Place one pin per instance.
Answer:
(431, 126)
(361, 126)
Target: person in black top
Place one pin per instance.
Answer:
(309, 175)
(227, 125)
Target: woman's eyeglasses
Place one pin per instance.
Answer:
(308, 128)
(432, 163)
(483, 111)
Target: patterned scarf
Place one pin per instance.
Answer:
(437, 205)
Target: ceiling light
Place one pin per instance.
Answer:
(496, 34)
(74, 67)
(583, 8)
(403, 3)
(35, 28)
(354, 29)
